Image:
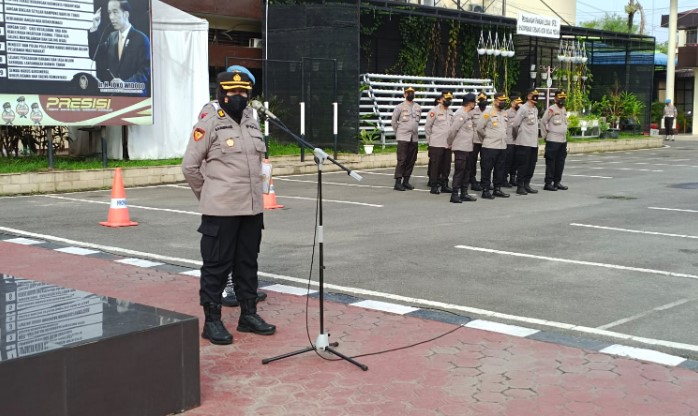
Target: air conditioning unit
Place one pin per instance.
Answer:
(476, 8)
(256, 43)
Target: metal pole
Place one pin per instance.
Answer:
(104, 146)
(671, 53)
(49, 145)
(266, 132)
(334, 127)
(302, 130)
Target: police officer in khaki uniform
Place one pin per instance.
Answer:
(405, 123)
(229, 191)
(477, 142)
(526, 149)
(509, 165)
(436, 129)
(229, 298)
(460, 139)
(492, 126)
(553, 128)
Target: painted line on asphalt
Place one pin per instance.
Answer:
(643, 354)
(24, 241)
(78, 251)
(356, 291)
(295, 175)
(139, 262)
(385, 307)
(514, 330)
(585, 263)
(337, 201)
(352, 185)
(625, 230)
(363, 172)
(580, 176)
(175, 211)
(643, 314)
(672, 209)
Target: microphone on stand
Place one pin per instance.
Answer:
(262, 110)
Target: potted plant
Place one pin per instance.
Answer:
(368, 139)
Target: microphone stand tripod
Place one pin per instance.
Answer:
(322, 342)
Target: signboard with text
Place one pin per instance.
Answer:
(75, 62)
(538, 26)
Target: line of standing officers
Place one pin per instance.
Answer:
(503, 135)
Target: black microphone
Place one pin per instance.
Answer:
(262, 110)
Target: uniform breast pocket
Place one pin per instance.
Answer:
(230, 144)
(258, 140)
(557, 120)
(530, 119)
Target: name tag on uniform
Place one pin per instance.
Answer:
(223, 127)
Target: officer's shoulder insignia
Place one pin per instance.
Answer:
(486, 115)
(202, 115)
(431, 114)
(550, 110)
(198, 134)
(221, 113)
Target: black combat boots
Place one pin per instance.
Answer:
(486, 194)
(435, 190)
(560, 187)
(498, 193)
(251, 322)
(549, 187)
(464, 195)
(406, 183)
(527, 187)
(398, 185)
(214, 330)
(229, 298)
(445, 187)
(520, 190)
(455, 198)
(475, 186)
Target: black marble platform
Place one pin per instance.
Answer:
(69, 352)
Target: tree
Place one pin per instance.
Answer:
(663, 47)
(611, 23)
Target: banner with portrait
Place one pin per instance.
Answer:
(75, 62)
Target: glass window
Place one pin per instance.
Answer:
(692, 37)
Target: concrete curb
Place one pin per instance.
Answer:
(83, 180)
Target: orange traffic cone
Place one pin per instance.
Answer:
(118, 210)
(270, 198)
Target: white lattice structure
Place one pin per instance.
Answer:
(381, 93)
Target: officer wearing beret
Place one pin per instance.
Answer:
(229, 297)
(229, 191)
(509, 165)
(492, 127)
(460, 139)
(436, 129)
(553, 128)
(477, 142)
(405, 123)
(526, 123)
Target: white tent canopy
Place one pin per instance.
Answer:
(180, 87)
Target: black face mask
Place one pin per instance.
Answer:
(516, 107)
(502, 105)
(560, 103)
(446, 103)
(410, 97)
(234, 105)
(534, 98)
(482, 106)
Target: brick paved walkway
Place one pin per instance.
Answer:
(467, 372)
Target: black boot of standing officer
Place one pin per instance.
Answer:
(251, 322)
(214, 330)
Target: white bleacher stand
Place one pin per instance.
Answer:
(381, 93)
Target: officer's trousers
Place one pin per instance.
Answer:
(229, 244)
(510, 161)
(526, 158)
(492, 159)
(460, 174)
(472, 162)
(555, 155)
(406, 158)
(439, 165)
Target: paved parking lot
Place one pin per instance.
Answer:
(612, 257)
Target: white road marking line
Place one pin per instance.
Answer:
(625, 230)
(77, 251)
(580, 176)
(585, 263)
(363, 172)
(363, 292)
(23, 241)
(289, 290)
(643, 354)
(331, 200)
(672, 209)
(643, 314)
(295, 175)
(195, 273)
(353, 185)
(175, 211)
(139, 263)
(385, 307)
(517, 331)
